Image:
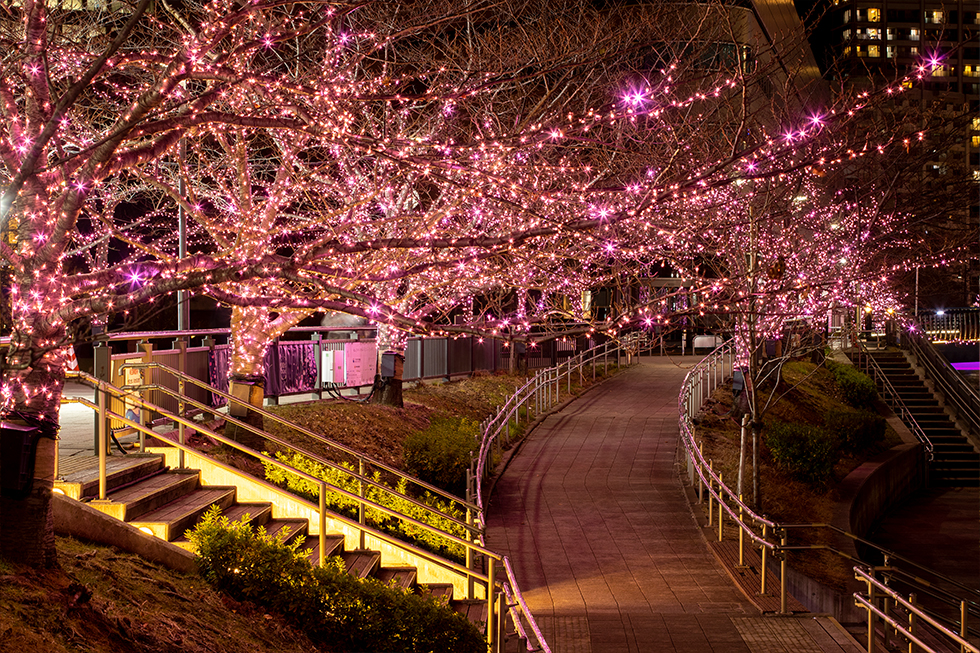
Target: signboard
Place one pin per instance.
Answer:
(362, 363)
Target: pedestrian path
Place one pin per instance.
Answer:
(604, 544)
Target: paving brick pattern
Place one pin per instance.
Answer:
(604, 544)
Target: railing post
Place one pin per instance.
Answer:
(470, 581)
(871, 617)
(764, 553)
(103, 441)
(360, 507)
(783, 605)
(963, 628)
(741, 533)
(181, 345)
(711, 498)
(322, 556)
(721, 506)
(491, 622)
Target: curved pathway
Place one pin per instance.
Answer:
(605, 547)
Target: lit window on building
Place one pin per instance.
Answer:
(914, 50)
(934, 17)
(847, 15)
(890, 34)
(874, 51)
(976, 124)
(874, 15)
(975, 141)
(971, 71)
(847, 35)
(914, 34)
(890, 52)
(847, 51)
(874, 33)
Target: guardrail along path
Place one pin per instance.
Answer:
(605, 547)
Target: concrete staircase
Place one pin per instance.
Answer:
(956, 463)
(165, 502)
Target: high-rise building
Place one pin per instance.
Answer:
(863, 42)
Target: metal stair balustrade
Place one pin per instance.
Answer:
(469, 575)
(954, 461)
(892, 397)
(364, 479)
(773, 537)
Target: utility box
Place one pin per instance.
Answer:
(18, 447)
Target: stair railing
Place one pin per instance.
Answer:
(869, 366)
(954, 388)
(772, 537)
(473, 546)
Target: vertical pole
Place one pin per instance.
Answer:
(491, 622)
(871, 618)
(741, 533)
(721, 506)
(782, 574)
(711, 498)
(764, 553)
(701, 483)
(470, 581)
(963, 629)
(323, 524)
(360, 507)
(103, 440)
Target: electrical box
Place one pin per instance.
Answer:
(333, 368)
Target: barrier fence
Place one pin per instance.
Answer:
(932, 631)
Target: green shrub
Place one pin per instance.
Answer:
(857, 388)
(393, 498)
(330, 605)
(440, 454)
(807, 452)
(856, 430)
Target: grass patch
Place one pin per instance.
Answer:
(102, 600)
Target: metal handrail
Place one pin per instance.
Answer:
(106, 389)
(308, 433)
(744, 517)
(905, 629)
(953, 386)
(892, 398)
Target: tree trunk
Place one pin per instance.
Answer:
(249, 342)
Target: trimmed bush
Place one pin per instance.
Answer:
(394, 498)
(856, 387)
(856, 430)
(440, 454)
(807, 452)
(330, 605)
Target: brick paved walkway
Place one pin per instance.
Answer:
(607, 552)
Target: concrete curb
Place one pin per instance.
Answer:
(81, 521)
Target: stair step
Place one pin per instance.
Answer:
(442, 593)
(361, 562)
(334, 546)
(474, 611)
(131, 502)
(401, 577)
(289, 529)
(258, 513)
(80, 479)
(171, 520)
